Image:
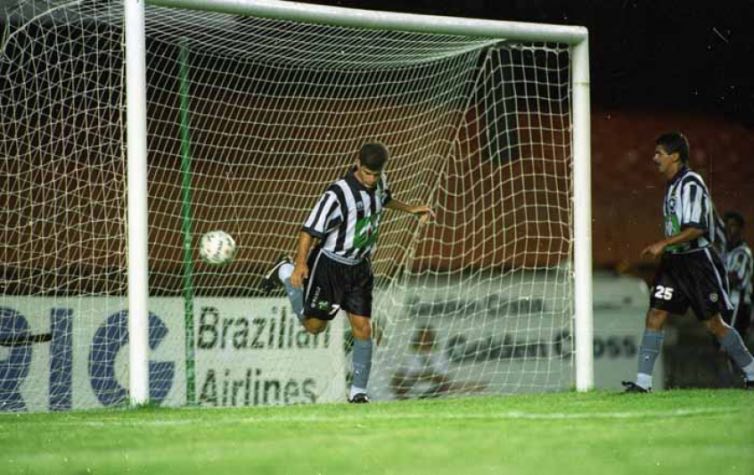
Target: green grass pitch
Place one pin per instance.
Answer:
(687, 432)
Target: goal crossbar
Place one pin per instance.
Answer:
(351, 17)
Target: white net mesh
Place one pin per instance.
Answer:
(249, 120)
(62, 250)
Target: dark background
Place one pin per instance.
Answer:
(677, 55)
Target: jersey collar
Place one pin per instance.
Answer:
(681, 172)
(351, 178)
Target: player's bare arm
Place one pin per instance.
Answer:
(301, 269)
(423, 212)
(656, 249)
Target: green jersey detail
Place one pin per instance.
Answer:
(366, 232)
(672, 227)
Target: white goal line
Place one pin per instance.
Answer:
(232, 418)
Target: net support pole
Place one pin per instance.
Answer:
(188, 261)
(582, 217)
(138, 273)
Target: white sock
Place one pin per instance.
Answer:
(355, 391)
(749, 371)
(285, 271)
(644, 380)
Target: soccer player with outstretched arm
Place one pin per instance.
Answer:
(691, 273)
(332, 267)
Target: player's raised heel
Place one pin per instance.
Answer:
(270, 279)
(632, 387)
(360, 398)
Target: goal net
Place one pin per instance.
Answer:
(249, 118)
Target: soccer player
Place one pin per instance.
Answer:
(332, 268)
(739, 265)
(691, 273)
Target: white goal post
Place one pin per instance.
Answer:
(575, 36)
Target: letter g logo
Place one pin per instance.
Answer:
(107, 342)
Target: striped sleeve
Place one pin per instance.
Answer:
(695, 205)
(740, 264)
(324, 217)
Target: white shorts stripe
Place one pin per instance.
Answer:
(311, 275)
(721, 284)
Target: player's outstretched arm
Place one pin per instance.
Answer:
(655, 250)
(423, 212)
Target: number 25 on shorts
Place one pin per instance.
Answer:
(664, 293)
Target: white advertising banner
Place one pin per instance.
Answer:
(61, 353)
(507, 339)
(515, 338)
(72, 353)
(255, 351)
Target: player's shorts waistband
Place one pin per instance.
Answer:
(341, 259)
(687, 251)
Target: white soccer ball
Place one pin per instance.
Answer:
(217, 247)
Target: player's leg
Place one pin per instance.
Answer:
(712, 304)
(361, 329)
(314, 318)
(731, 341)
(665, 297)
(649, 350)
(358, 303)
(280, 274)
(651, 345)
(314, 325)
(311, 323)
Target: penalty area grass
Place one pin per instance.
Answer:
(683, 431)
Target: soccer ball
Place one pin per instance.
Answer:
(217, 247)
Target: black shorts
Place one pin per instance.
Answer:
(333, 285)
(697, 280)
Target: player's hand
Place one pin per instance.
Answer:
(423, 212)
(300, 273)
(654, 250)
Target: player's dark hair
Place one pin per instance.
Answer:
(373, 155)
(675, 142)
(735, 216)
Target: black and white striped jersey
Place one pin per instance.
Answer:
(346, 218)
(688, 204)
(739, 261)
